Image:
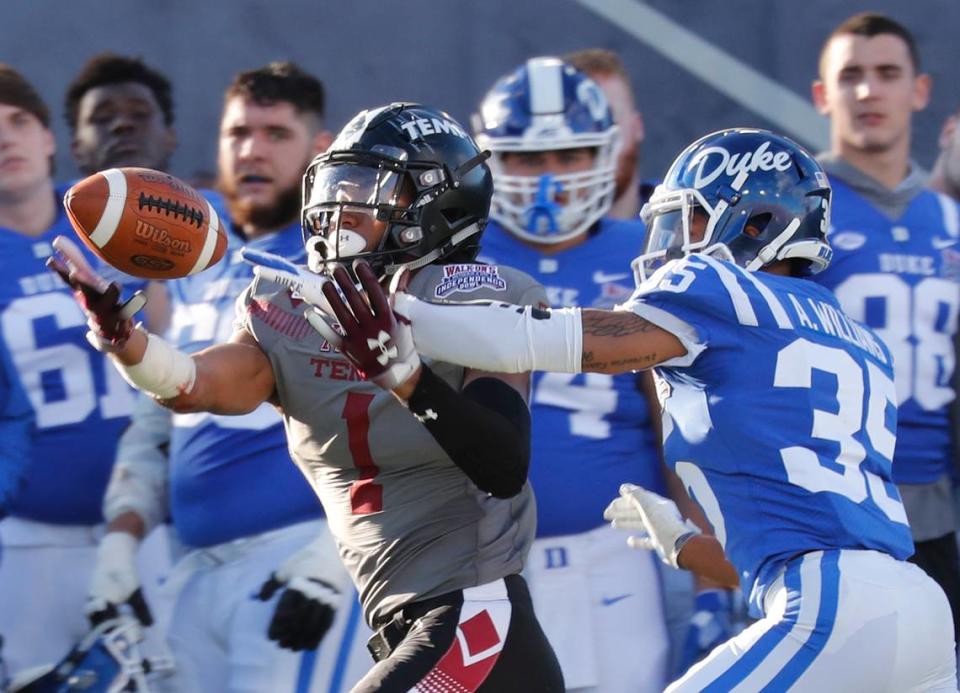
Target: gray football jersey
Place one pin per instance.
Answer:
(409, 524)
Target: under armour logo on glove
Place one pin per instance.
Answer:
(376, 340)
(381, 343)
(428, 415)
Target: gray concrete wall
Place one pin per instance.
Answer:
(447, 52)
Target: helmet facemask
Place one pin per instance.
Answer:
(679, 222)
(552, 208)
(343, 189)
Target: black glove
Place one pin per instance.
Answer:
(309, 601)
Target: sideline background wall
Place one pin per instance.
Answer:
(448, 52)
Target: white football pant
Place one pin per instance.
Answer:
(839, 621)
(599, 603)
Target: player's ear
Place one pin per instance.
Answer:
(946, 133)
(170, 141)
(819, 93)
(49, 142)
(922, 85)
(322, 141)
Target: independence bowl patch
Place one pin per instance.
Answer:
(467, 278)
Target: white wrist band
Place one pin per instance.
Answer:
(497, 337)
(164, 371)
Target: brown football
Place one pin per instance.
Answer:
(146, 223)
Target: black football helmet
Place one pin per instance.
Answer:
(748, 196)
(409, 166)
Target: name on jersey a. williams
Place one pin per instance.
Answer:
(469, 277)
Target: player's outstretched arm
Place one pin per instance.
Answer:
(513, 339)
(231, 378)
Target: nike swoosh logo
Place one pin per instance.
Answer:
(941, 243)
(604, 278)
(607, 601)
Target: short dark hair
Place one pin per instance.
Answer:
(598, 61)
(870, 24)
(110, 68)
(17, 91)
(280, 81)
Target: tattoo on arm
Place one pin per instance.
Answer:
(602, 323)
(606, 324)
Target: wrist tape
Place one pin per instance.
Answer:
(164, 371)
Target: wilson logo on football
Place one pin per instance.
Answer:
(152, 263)
(160, 236)
(713, 161)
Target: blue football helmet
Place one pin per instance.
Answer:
(747, 196)
(107, 660)
(547, 105)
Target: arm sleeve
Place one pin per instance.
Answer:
(484, 429)
(139, 479)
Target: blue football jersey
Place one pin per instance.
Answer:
(780, 419)
(900, 277)
(230, 476)
(80, 402)
(16, 423)
(590, 432)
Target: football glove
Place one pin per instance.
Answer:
(658, 520)
(710, 625)
(310, 597)
(115, 581)
(109, 320)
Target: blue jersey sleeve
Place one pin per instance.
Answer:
(688, 298)
(16, 420)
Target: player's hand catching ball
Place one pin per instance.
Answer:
(109, 320)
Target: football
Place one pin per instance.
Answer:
(146, 223)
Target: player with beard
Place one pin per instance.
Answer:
(249, 522)
(426, 492)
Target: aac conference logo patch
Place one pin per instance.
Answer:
(467, 278)
(847, 240)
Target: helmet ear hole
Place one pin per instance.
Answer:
(453, 214)
(757, 224)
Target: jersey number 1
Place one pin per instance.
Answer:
(365, 496)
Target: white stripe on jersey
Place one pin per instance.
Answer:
(741, 302)
(779, 314)
(951, 215)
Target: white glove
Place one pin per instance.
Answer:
(115, 580)
(663, 529)
(313, 580)
(302, 282)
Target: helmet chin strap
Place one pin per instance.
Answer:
(436, 253)
(771, 251)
